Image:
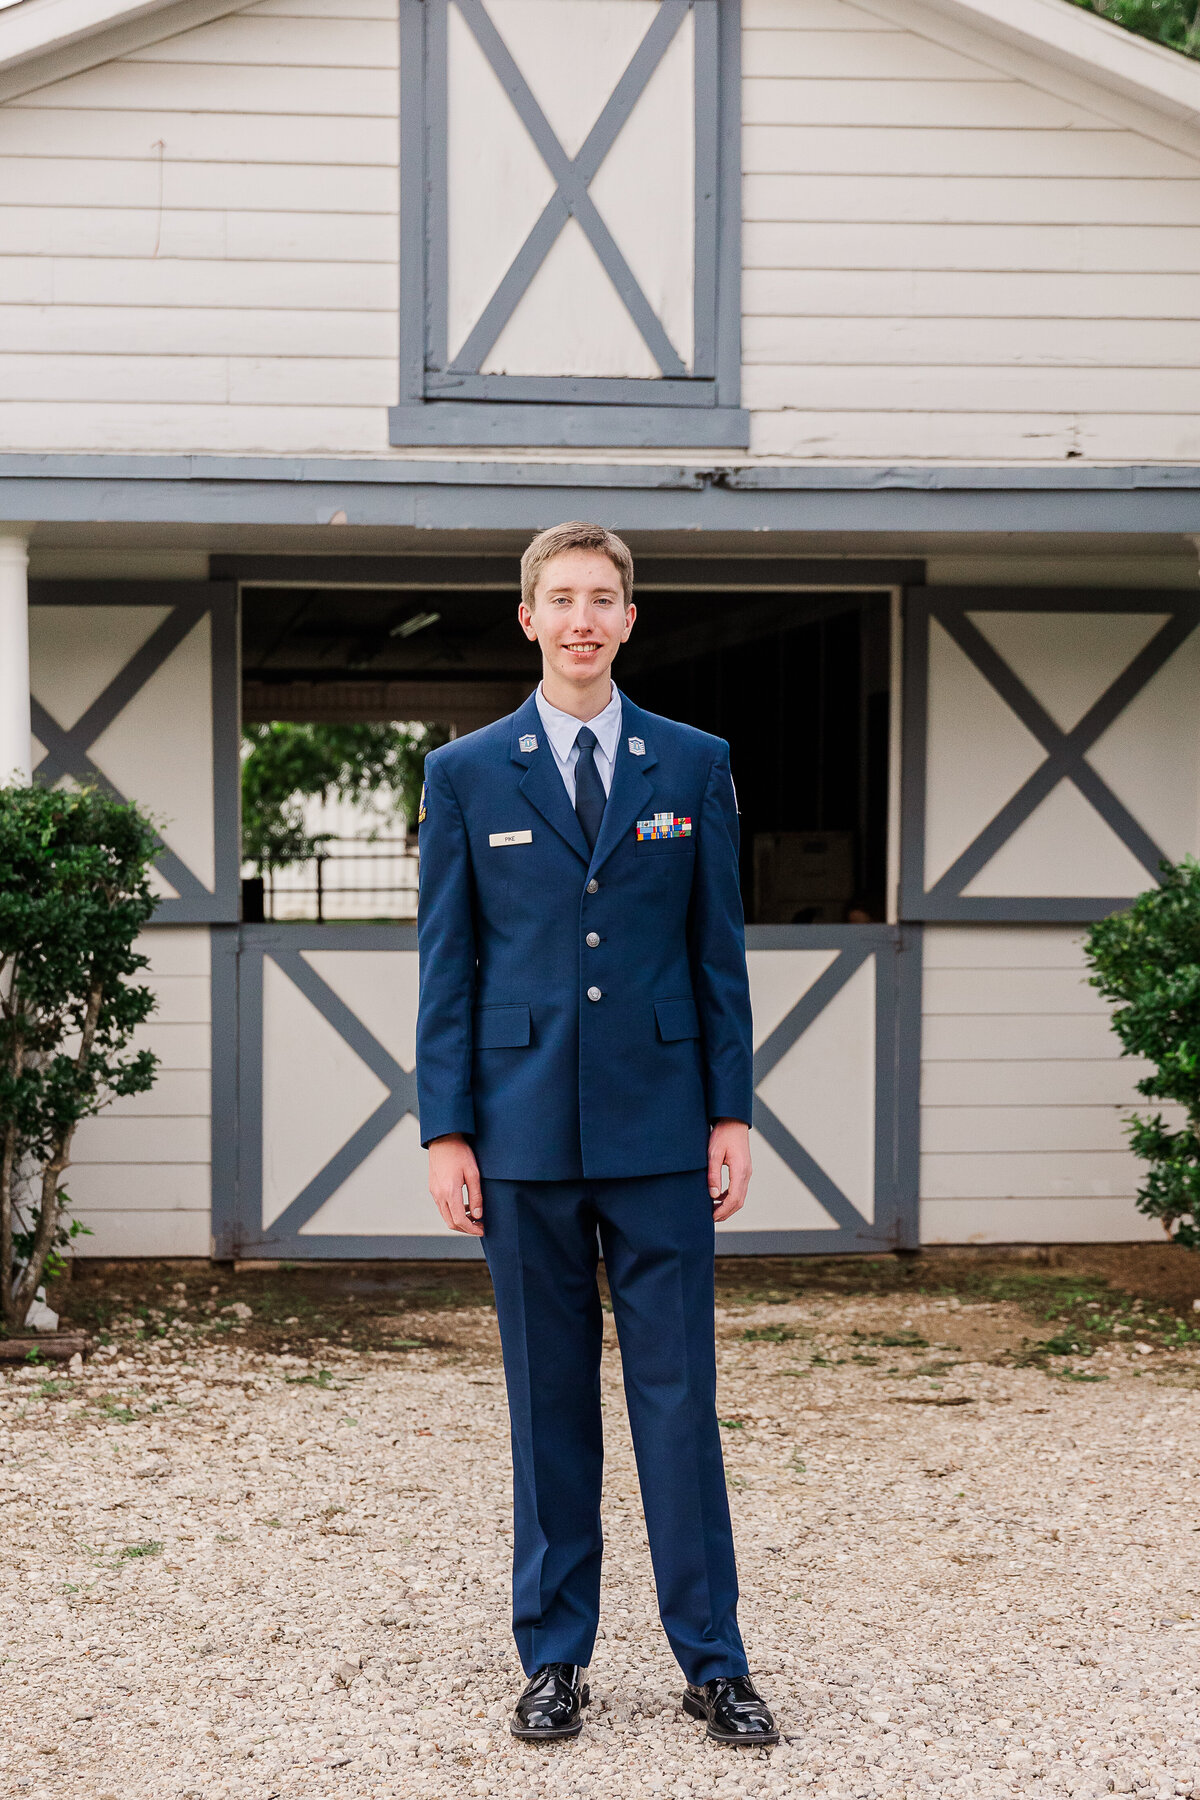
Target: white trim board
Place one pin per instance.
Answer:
(1057, 46)
(43, 41)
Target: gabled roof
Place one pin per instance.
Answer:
(1084, 44)
(45, 40)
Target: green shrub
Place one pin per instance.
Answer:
(1147, 961)
(74, 894)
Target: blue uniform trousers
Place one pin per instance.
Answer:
(656, 1233)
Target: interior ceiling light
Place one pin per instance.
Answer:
(409, 627)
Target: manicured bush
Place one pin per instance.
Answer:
(74, 894)
(1147, 961)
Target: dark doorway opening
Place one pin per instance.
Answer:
(798, 682)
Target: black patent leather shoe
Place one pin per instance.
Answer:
(735, 1713)
(552, 1703)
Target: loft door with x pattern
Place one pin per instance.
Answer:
(571, 199)
(1049, 766)
(134, 688)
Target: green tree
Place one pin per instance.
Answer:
(1175, 23)
(1147, 961)
(74, 894)
(285, 764)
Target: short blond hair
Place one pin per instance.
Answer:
(576, 534)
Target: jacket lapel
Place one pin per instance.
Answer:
(632, 788)
(542, 784)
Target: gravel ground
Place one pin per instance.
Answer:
(227, 1570)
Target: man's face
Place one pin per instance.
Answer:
(579, 616)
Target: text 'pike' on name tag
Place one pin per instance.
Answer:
(501, 839)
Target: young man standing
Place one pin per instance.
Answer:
(584, 1071)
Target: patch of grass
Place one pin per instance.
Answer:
(147, 1547)
(895, 1340)
(50, 1390)
(321, 1379)
(1075, 1375)
(732, 1424)
(772, 1334)
(116, 1410)
(406, 1343)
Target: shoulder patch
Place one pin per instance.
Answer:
(421, 808)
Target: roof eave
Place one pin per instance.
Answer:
(1088, 45)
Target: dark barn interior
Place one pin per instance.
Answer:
(798, 682)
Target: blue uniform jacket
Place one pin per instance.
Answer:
(562, 1058)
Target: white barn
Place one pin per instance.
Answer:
(871, 323)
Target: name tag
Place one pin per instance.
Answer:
(500, 839)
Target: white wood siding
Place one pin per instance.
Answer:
(198, 242)
(140, 1173)
(951, 250)
(1023, 1094)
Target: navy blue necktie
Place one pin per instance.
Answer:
(589, 789)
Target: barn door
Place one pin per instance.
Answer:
(836, 1045)
(569, 221)
(1049, 761)
(134, 687)
(331, 1163)
(330, 1150)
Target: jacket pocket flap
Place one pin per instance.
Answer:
(502, 1027)
(677, 1019)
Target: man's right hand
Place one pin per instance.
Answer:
(452, 1167)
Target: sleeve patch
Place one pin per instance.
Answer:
(421, 808)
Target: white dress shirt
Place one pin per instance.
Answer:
(563, 728)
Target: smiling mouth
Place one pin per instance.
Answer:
(580, 649)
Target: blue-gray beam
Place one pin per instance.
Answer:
(477, 495)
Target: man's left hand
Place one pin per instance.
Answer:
(728, 1148)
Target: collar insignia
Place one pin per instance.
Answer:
(528, 742)
(637, 747)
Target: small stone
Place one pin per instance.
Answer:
(75, 1366)
(150, 1468)
(1143, 1349)
(345, 1669)
(239, 1310)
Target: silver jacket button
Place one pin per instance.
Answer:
(593, 993)
(593, 886)
(592, 939)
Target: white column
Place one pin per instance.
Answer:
(14, 657)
